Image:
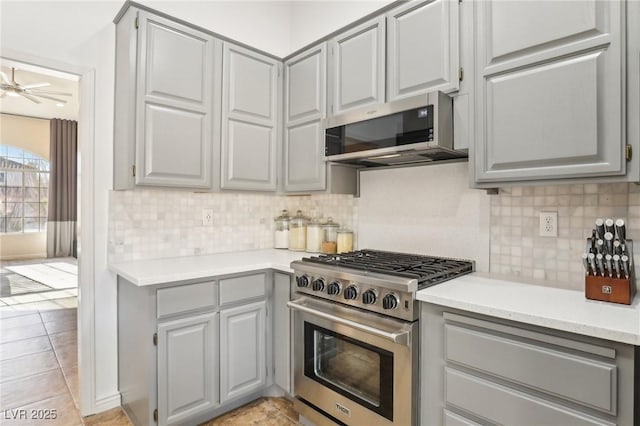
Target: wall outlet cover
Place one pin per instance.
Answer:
(207, 217)
(548, 224)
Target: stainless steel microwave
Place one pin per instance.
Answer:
(413, 130)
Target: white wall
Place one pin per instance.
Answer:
(424, 209)
(311, 20)
(82, 34)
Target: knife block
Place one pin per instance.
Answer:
(615, 290)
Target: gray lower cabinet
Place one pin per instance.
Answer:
(282, 347)
(165, 102)
(251, 85)
(243, 351)
(187, 367)
(549, 99)
(482, 370)
(190, 351)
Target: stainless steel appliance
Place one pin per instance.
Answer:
(413, 130)
(356, 334)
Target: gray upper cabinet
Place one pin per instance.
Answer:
(170, 117)
(422, 48)
(251, 85)
(357, 77)
(305, 111)
(187, 368)
(549, 90)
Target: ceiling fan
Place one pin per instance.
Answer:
(32, 92)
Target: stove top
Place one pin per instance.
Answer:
(425, 269)
(379, 281)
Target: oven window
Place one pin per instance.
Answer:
(355, 369)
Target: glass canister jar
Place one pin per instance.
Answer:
(298, 232)
(344, 240)
(329, 237)
(314, 236)
(281, 234)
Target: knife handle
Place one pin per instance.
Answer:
(608, 226)
(600, 228)
(621, 231)
(625, 265)
(609, 261)
(600, 260)
(608, 242)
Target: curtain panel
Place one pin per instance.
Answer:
(62, 214)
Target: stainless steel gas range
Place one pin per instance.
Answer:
(356, 334)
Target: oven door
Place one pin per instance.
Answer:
(355, 366)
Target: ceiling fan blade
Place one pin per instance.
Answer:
(5, 78)
(35, 85)
(47, 92)
(31, 98)
(62, 101)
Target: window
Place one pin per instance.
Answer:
(24, 190)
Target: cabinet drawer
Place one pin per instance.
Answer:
(566, 375)
(184, 298)
(242, 288)
(502, 405)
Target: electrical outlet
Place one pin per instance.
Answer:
(207, 217)
(548, 224)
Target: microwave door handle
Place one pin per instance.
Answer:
(401, 338)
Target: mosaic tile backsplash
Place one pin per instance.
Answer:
(516, 247)
(147, 224)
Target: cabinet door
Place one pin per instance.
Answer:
(357, 67)
(187, 368)
(282, 331)
(305, 98)
(249, 119)
(305, 85)
(422, 48)
(550, 79)
(174, 104)
(243, 351)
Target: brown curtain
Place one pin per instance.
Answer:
(61, 222)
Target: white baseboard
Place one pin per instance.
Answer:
(104, 404)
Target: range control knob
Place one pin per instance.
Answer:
(369, 297)
(318, 284)
(390, 301)
(302, 281)
(334, 288)
(351, 292)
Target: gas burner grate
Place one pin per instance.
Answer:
(427, 270)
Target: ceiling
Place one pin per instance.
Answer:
(58, 82)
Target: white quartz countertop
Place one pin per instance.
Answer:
(158, 271)
(550, 307)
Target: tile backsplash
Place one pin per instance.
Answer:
(147, 223)
(516, 247)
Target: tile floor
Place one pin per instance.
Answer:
(39, 370)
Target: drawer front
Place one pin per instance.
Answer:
(242, 288)
(502, 405)
(562, 374)
(184, 298)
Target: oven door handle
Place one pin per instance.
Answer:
(401, 337)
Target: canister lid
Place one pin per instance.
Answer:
(330, 223)
(284, 216)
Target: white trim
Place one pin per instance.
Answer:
(86, 259)
(107, 403)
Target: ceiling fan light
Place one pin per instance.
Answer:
(13, 94)
(59, 104)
